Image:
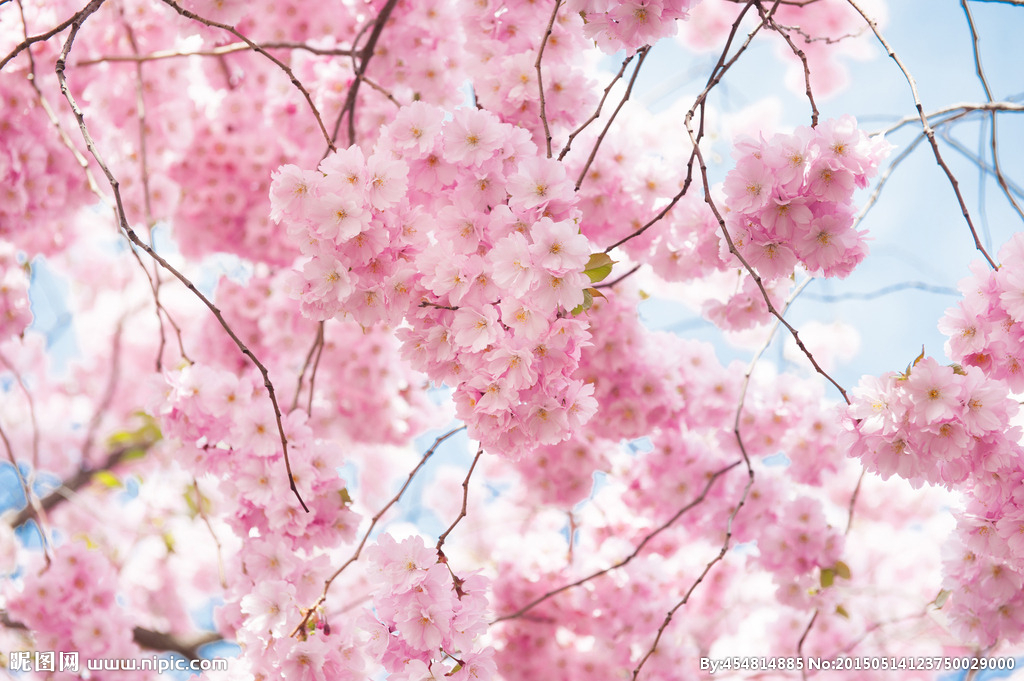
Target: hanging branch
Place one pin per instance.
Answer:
(540, 77)
(719, 70)
(597, 112)
(214, 52)
(465, 499)
(364, 56)
(625, 561)
(928, 131)
(751, 271)
(746, 490)
(643, 52)
(800, 55)
(994, 145)
(315, 349)
(134, 238)
(308, 612)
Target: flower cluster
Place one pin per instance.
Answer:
(933, 423)
(629, 24)
(484, 287)
(950, 425)
(985, 329)
(790, 198)
(40, 183)
(427, 614)
(72, 605)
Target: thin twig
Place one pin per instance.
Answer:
(212, 52)
(643, 52)
(32, 503)
(871, 295)
(23, 45)
(746, 489)
(719, 70)
(364, 56)
(992, 114)
(216, 542)
(613, 282)
(31, 403)
(134, 238)
(540, 77)
(853, 500)
(597, 112)
(636, 551)
(803, 60)
(926, 126)
(962, 108)
(72, 484)
(308, 612)
(318, 341)
(465, 499)
(803, 638)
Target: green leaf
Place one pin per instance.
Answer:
(169, 542)
(107, 479)
(842, 570)
(828, 576)
(346, 498)
(941, 599)
(841, 611)
(588, 301)
(598, 267)
(136, 453)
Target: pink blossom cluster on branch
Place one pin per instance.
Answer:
(427, 207)
(485, 283)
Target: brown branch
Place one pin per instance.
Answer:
(213, 52)
(746, 490)
(597, 112)
(853, 500)
(613, 282)
(803, 638)
(31, 403)
(746, 265)
(364, 56)
(134, 238)
(643, 52)
(465, 499)
(307, 613)
(187, 648)
(975, 42)
(928, 131)
(374, 86)
(148, 639)
(32, 503)
(23, 45)
(201, 512)
(540, 77)
(318, 342)
(636, 551)
(800, 55)
(719, 70)
(77, 481)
